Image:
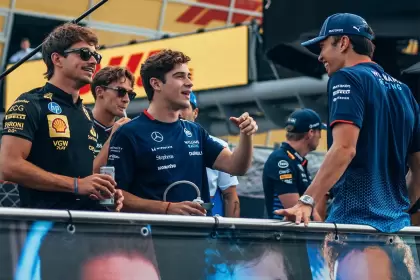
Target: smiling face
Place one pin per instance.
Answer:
(333, 52)
(176, 89)
(77, 69)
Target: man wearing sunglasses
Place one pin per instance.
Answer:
(48, 138)
(112, 88)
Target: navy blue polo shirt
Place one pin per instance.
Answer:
(149, 155)
(373, 191)
(285, 171)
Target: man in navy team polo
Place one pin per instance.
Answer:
(157, 148)
(374, 131)
(285, 176)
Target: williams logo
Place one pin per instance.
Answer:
(192, 144)
(187, 132)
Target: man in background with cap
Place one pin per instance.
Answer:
(374, 132)
(222, 186)
(285, 175)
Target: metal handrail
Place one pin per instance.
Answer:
(184, 221)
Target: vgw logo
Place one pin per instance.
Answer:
(60, 144)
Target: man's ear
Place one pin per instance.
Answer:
(155, 83)
(99, 91)
(345, 43)
(57, 60)
(195, 113)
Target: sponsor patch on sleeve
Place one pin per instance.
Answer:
(286, 176)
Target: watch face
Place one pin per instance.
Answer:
(306, 199)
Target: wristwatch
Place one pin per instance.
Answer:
(307, 200)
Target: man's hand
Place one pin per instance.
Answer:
(118, 200)
(246, 124)
(298, 213)
(118, 124)
(100, 185)
(186, 208)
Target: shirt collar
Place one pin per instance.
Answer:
(148, 116)
(59, 94)
(105, 128)
(293, 155)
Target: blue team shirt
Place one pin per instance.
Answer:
(149, 155)
(373, 191)
(285, 171)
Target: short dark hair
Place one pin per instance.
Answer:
(361, 45)
(156, 66)
(110, 74)
(62, 38)
(293, 136)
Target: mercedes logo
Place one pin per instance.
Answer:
(157, 136)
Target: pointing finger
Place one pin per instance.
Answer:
(234, 119)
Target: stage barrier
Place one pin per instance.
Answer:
(52, 244)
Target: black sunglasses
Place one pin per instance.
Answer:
(122, 92)
(85, 54)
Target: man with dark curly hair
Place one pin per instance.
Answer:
(158, 149)
(48, 138)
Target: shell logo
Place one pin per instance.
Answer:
(59, 125)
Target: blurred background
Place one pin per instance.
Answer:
(246, 56)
